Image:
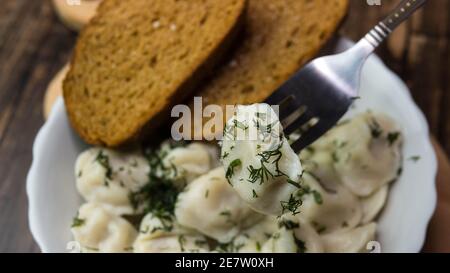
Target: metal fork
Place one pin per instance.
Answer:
(322, 92)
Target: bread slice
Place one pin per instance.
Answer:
(136, 59)
(281, 36)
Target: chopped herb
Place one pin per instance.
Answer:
(306, 190)
(261, 174)
(225, 155)
(288, 224)
(226, 213)
(254, 194)
(295, 184)
(375, 129)
(181, 241)
(335, 157)
(399, 171)
(130, 248)
(78, 222)
(393, 137)
(317, 197)
(261, 115)
(414, 158)
(345, 224)
(103, 160)
(240, 125)
(206, 193)
(229, 247)
(301, 245)
(258, 246)
(319, 228)
(159, 195)
(200, 243)
(230, 171)
(291, 205)
(80, 173)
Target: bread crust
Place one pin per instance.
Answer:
(79, 106)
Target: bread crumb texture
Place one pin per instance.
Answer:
(137, 58)
(280, 37)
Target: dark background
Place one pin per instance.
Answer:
(34, 45)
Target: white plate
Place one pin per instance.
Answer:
(53, 199)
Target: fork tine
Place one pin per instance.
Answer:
(299, 122)
(311, 135)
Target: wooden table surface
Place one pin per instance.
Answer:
(34, 45)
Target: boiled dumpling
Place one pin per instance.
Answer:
(319, 162)
(164, 235)
(98, 229)
(367, 152)
(373, 204)
(293, 236)
(329, 211)
(211, 206)
(259, 163)
(188, 163)
(108, 177)
(349, 241)
(253, 238)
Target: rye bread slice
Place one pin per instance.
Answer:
(280, 37)
(136, 59)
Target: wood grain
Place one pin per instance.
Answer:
(34, 46)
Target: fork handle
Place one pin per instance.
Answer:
(402, 12)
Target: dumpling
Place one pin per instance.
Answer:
(253, 238)
(349, 241)
(164, 235)
(108, 177)
(329, 211)
(211, 206)
(367, 152)
(372, 205)
(293, 236)
(98, 229)
(188, 163)
(259, 163)
(319, 162)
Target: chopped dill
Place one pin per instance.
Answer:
(393, 137)
(292, 205)
(103, 160)
(230, 171)
(288, 224)
(78, 222)
(254, 194)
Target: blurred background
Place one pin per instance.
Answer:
(34, 46)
